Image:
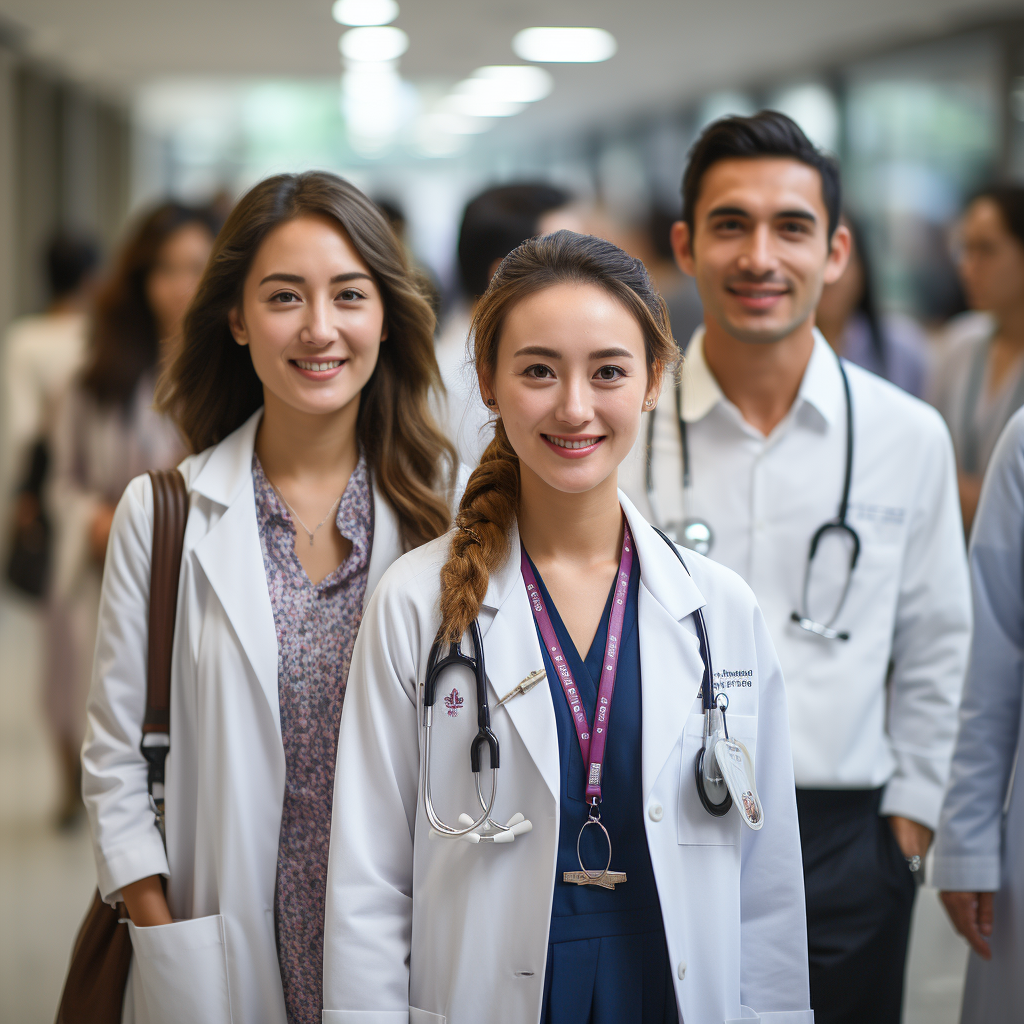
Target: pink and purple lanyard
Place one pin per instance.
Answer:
(592, 748)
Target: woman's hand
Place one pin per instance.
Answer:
(971, 914)
(99, 532)
(146, 902)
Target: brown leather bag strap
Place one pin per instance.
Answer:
(170, 514)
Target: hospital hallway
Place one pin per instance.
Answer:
(46, 877)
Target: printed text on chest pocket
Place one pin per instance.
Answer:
(695, 826)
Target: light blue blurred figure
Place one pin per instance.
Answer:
(979, 853)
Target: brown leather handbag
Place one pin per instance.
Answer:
(101, 957)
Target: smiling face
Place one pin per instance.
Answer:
(760, 249)
(312, 317)
(569, 384)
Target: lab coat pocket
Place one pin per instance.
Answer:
(423, 1017)
(184, 971)
(695, 826)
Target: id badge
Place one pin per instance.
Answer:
(738, 771)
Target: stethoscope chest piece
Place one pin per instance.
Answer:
(693, 534)
(696, 535)
(725, 771)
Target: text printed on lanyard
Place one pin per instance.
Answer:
(591, 747)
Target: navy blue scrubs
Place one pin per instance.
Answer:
(607, 960)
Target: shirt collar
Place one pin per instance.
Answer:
(821, 387)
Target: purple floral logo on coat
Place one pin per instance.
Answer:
(453, 702)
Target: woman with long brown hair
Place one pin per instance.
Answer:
(613, 867)
(107, 432)
(302, 384)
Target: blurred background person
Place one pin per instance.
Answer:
(887, 344)
(41, 355)
(394, 214)
(979, 381)
(493, 224)
(979, 848)
(107, 432)
(653, 245)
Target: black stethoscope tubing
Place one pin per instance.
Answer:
(840, 523)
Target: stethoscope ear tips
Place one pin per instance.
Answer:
(517, 825)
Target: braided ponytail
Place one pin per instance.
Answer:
(481, 541)
(490, 504)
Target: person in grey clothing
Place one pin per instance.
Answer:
(979, 852)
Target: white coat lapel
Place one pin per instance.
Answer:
(387, 543)
(512, 653)
(671, 668)
(232, 559)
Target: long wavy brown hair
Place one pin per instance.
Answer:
(490, 504)
(212, 388)
(125, 343)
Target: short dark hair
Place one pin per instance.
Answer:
(70, 258)
(496, 222)
(1010, 201)
(765, 134)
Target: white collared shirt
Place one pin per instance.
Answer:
(880, 708)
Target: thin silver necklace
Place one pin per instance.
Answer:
(309, 533)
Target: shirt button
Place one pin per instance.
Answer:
(682, 969)
(655, 812)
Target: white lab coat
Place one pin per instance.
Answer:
(441, 930)
(980, 842)
(226, 768)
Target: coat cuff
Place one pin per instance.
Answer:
(366, 1017)
(917, 800)
(773, 1017)
(966, 874)
(127, 863)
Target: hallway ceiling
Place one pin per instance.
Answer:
(668, 49)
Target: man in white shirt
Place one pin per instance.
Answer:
(873, 672)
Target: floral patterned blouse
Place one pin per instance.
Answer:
(316, 629)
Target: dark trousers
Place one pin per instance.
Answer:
(860, 895)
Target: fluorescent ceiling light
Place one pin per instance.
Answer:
(373, 44)
(364, 12)
(513, 83)
(481, 105)
(564, 45)
(450, 123)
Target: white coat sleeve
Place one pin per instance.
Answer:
(967, 849)
(931, 638)
(368, 922)
(126, 842)
(773, 922)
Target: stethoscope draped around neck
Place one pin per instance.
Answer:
(696, 534)
(712, 786)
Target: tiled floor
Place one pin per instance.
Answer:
(46, 879)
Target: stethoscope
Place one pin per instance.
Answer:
(696, 534)
(711, 785)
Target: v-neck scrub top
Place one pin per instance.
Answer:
(607, 960)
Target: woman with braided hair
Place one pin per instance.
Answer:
(623, 899)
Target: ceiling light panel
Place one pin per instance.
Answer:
(481, 105)
(379, 43)
(364, 12)
(514, 83)
(564, 45)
